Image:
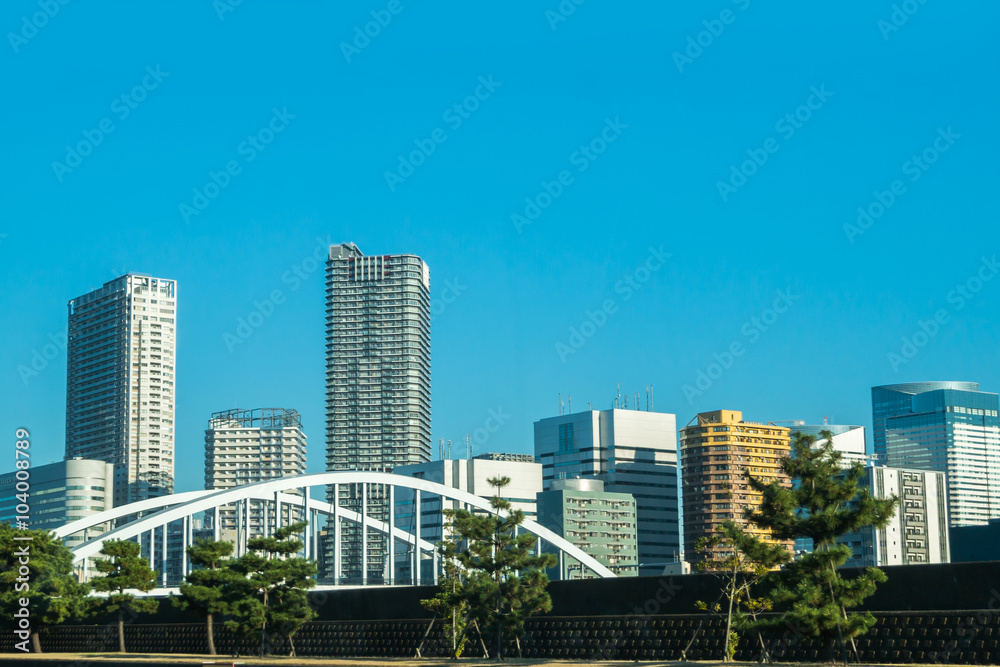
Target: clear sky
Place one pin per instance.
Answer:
(626, 124)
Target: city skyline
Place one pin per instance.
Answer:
(643, 397)
(570, 208)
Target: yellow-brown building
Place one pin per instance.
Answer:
(716, 449)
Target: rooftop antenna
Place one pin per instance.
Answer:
(449, 449)
(569, 397)
(441, 448)
(636, 404)
(825, 421)
(590, 406)
(560, 404)
(618, 399)
(468, 446)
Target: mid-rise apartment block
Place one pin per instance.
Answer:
(601, 523)
(378, 382)
(717, 450)
(631, 451)
(249, 446)
(917, 533)
(947, 427)
(121, 382)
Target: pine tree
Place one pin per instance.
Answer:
(505, 583)
(123, 570)
(35, 566)
(823, 503)
(740, 561)
(270, 587)
(204, 588)
(450, 603)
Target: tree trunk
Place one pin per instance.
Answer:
(291, 644)
(729, 629)
(36, 645)
(263, 626)
(211, 637)
(121, 631)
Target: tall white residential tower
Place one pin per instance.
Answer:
(120, 382)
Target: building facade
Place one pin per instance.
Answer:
(848, 440)
(121, 383)
(249, 446)
(717, 449)
(60, 493)
(917, 533)
(948, 427)
(378, 380)
(631, 451)
(470, 475)
(601, 523)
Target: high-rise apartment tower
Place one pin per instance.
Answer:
(717, 449)
(378, 380)
(120, 382)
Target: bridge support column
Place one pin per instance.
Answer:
(416, 536)
(246, 526)
(391, 575)
(364, 534)
(184, 545)
(277, 510)
(163, 555)
(305, 517)
(336, 535)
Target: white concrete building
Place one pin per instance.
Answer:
(848, 440)
(918, 533)
(59, 493)
(120, 382)
(470, 475)
(632, 452)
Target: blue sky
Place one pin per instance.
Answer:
(641, 138)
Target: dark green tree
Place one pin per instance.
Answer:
(823, 503)
(505, 582)
(740, 562)
(123, 570)
(269, 590)
(35, 566)
(450, 603)
(205, 587)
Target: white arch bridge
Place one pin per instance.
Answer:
(255, 509)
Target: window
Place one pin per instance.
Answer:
(565, 437)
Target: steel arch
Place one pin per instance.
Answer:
(172, 508)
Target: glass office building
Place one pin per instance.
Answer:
(949, 427)
(632, 452)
